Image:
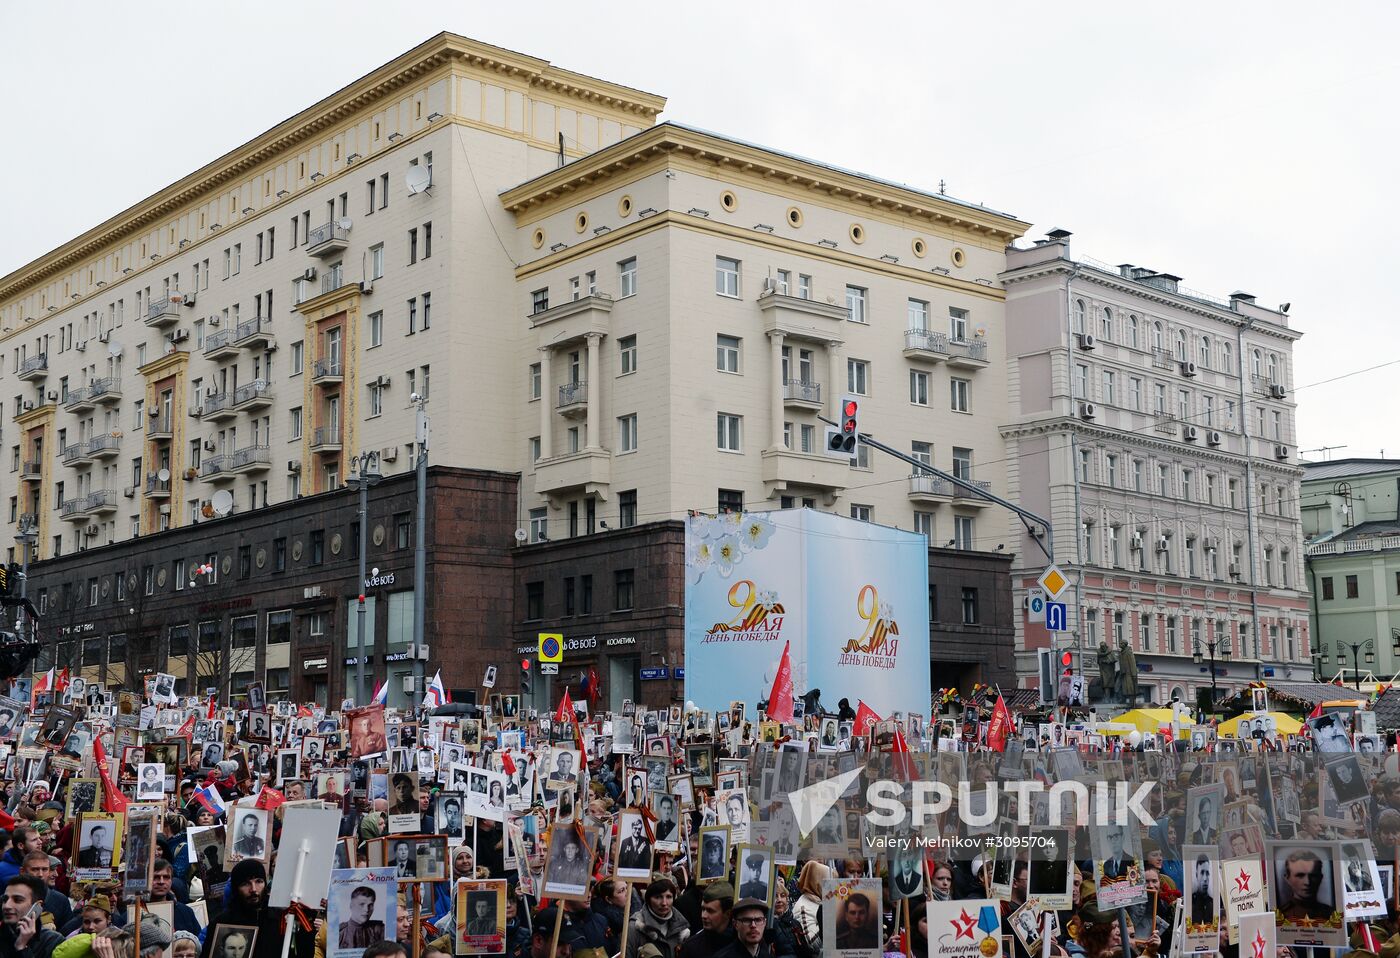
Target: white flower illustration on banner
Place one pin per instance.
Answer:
(729, 552)
(699, 557)
(755, 533)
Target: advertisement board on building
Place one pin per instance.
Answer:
(850, 597)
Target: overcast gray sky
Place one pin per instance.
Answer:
(1239, 145)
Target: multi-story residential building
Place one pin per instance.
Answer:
(1351, 520)
(1154, 426)
(580, 295)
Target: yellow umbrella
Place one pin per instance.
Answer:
(1286, 724)
(1147, 721)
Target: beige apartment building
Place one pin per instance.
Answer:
(1155, 426)
(639, 318)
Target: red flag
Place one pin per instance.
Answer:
(186, 730)
(903, 765)
(865, 720)
(999, 727)
(1316, 712)
(269, 798)
(61, 682)
(113, 801)
(507, 763)
(566, 708)
(780, 699)
(213, 705)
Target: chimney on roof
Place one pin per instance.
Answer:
(1125, 270)
(1242, 296)
(1057, 237)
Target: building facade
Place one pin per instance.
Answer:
(1351, 520)
(639, 319)
(1154, 427)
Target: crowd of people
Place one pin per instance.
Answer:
(152, 828)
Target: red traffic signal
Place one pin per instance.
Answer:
(524, 665)
(844, 440)
(1066, 658)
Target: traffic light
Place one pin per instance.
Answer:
(1067, 661)
(525, 677)
(842, 439)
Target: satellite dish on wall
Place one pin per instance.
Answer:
(163, 475)
(417, 179)
(222, 502)
(344, 222)
(521, 535)
(114, 349)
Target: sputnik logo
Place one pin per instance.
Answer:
(963, 925)
(1242, 882)
(810, 804)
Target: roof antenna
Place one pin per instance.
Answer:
(561, 149)
(942, 186)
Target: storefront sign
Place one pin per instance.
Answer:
(76, 629)
(320, 663)
(578, 644)
(650, 674)
(621, 640)
(374, 581)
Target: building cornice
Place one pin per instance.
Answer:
(545, 194)
(701, 225)
(1067, 425)
(1159, 297)
(411, 67)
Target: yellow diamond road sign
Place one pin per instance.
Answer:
(1053, 581)
(551, 647)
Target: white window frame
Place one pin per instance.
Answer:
(918, 387)
(627, 278)
(727, 275)
(858, 377)
(728, 353)
(960, 394)
(626, 434)
(729, 432)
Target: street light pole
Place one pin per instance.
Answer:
(1211, 645)
(1356, 647)
(26, 537)
(420, 544)
(366, 475)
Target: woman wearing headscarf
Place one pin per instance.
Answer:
(809, 901)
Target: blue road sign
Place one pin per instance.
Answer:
(1056, 617)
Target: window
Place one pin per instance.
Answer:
(918, 387)
(1106, 325)
(376, 399)
(728, 434)
(855, 304)
(627, 355)
(279, 555)
(858, 377)
(624, 584)
(427, 240)
(539, 300)
(1110, 464)
(1181, 352)
(784, 282)
(922, 451)
(298, 352)
(962, 532)
(923, 525)
(1109, 381)
(318, 547)
(627, 278)
(1353, 588)
(1086, 540)
(294, 421)
(1114, 540)
(1159, 399)
(1137, 476)
(376, 328)
(534, 600)
(412, 246)
(1081, 381)
(535, 381)
(532, 446)
(1135, 393)
(1329, 593)
(918, 315)
(1079, 315)
(1208, 410)
(962, 462)
(957, 324)
(727, 354)
(1171, 633)
(960, 389)
(1203, 356)
(412, 315)
(627, 433)
(969, 606)
(804, 286)
(627, 508)
(726, 276)
(569, 603)
(585, 595)
(427, 311)
(1133, 331)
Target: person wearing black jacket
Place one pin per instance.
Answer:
(21, 934)
(247, 905)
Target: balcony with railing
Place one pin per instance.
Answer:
(923, 344)
(927, 488)
(967, 353)
(31, 469)
(253, 395)
(95, 503)
(214, 468)
(102, 501)
(966, 497)
(326, 439)
(1347, 546)
(156, 487)
(1165, 423)
(105, 391)
(327, 238)
(35, 367)
(75, 454)
(249, 459)
(78, 400)
(217, 407)
(573, 400)
(74, 509)
(104, 446)
(162, 312)
(219, 345)
(1162, 358)
(327, 372)
(254, 332)
(801, 394)
(160, 427)
(28, 520)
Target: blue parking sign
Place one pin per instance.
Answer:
(1056, 617)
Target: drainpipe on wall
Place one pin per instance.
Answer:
(1074, 465)
(1249, 505)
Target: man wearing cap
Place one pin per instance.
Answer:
(569, 936)
(715, 933)
(658, 930)
(750, 919)
(755, 884)
(155, 935)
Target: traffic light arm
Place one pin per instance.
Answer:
(1029, 519)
